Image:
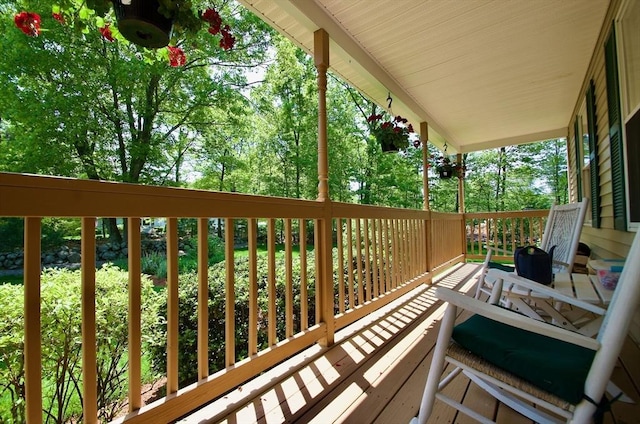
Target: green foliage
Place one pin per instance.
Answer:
(188, 319)
(54, 232)
(11, 234)
(61, 347)
(154, 264)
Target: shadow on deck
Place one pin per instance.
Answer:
(376, 370)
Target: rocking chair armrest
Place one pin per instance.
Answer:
(514, 319)
(543, 290)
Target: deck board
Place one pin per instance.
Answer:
(375, 373)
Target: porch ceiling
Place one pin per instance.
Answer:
(482, 73)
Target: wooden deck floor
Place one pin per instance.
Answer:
(375, 373)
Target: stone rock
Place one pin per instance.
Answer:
(74, 257)
(109, 256)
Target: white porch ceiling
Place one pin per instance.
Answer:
(481, 73)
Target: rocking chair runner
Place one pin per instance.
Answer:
(498, 348)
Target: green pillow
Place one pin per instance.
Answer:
(553, 365)
(503, 267)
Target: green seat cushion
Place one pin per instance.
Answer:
(503, 267)
(553, 365)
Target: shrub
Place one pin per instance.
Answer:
(54, 231)
(61, 349)
(188, 319)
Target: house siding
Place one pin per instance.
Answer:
(605, 242)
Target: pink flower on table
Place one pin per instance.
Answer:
(176, 56)
(106, 32)
(28, 22)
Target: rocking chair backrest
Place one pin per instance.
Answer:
(616, 324)
(562, 230)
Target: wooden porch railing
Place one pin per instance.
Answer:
(376, 254)
(365, 257)
(503, 232)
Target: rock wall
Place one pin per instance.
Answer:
(66, 256)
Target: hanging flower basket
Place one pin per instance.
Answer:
(393, 135)
(147, 23)
(446, 168)
(142, 24)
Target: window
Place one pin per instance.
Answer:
(629, 55)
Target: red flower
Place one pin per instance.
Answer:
(410, 128)
(214, 19)
(106, 32)
(28, 22)
(374, 118)
(212, 16)
(227, 41)
(58, 17)
(416, 143)
(176, 56)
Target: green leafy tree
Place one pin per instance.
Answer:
(89, 118)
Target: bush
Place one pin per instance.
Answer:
(188, 319)
(61, 349)
(54, 231)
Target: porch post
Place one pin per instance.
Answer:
(463, 225)
(460, 184)
(324, 226)
(321, 58)
(424, 139)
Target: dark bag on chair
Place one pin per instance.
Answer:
(534, 263)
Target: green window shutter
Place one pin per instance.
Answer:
(615, 135)
(576, 132)
(594, 170)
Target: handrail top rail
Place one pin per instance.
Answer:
(26, 195)
(508, 214)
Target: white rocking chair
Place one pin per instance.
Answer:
(562, 230)
(578, 367)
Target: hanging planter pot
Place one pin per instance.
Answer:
(140, 22)
(389, 148)
(446, 171)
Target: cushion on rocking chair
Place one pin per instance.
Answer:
(553, 365)
(502, 267)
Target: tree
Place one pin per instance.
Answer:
(102, 123)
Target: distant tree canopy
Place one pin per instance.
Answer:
(242, 120)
